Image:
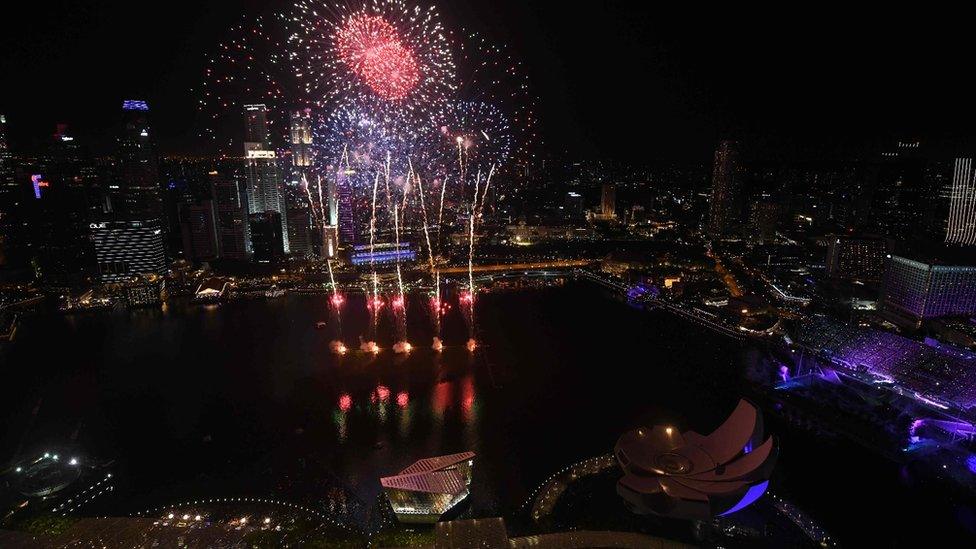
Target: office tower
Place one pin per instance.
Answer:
(725, 204)
(961, 225)
(300, 139)
(344, 213)
(573, 204)
(126, 249)
(920, 289)
(856, 258)
(233, 230)
(6, 167)
(901, 198)
(300, 230)
(267, 238)
(763, 216)
(264, 188)
(608, 201)
(329, 241)
(198, 227)
(138, 195)
(58, 213)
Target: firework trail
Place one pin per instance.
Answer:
(435, 301)
(336, 301)
(373, 301)
(400, 301)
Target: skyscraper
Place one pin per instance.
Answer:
(264, 188)
(343, 213)
(266, 236)
(726, 200)
(300, 230)
(608, 201)
(961, 225)
(902, 200)
(126, 249)
(198, 226)
(233, 231)
(300, 139)
(6, 169)
(139, 195)
(856, 258)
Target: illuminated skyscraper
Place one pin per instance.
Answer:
(264, 188)
(961, 226)
(300, 134)
(6, 170)
(233, 231)
(344, 212)
(608, 201)
(726, 201)
(126, 249)
(138, 195)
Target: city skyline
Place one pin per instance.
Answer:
(377, 273)
(783, 97)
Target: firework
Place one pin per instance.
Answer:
(252, 64)
(389, 56)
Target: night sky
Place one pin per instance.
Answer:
(620, 80)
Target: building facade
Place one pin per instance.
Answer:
(724, 209)
(127, 249)
(961, 224)
(264, 183)
(919, 290)
(856, 258)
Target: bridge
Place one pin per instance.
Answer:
(526, 266)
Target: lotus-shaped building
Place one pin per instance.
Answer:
(688, 475)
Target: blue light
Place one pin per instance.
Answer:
(752, 495)
(134, 105)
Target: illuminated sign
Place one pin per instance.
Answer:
(260, 154)
(134, 105)
(38, 183)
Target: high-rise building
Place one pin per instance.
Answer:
(264, 185)
(917, 290)
(902, 200)
(300, 230)
(573, 204)
(300, 139)
(763, 216)
(961, 225)
(138, 195)
(267, 239)
(343, 214)
(726, 200)
(126, 249)
(198, 226)
(608, 201)
(233, 230)
(6, 169)
(856, 258)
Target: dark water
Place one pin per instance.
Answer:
(246, 399)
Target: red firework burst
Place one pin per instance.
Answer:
(371, 47)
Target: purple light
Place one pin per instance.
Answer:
(784, 372)
(134, 105)
(971, 463)
(752, 495)
(38, 182)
